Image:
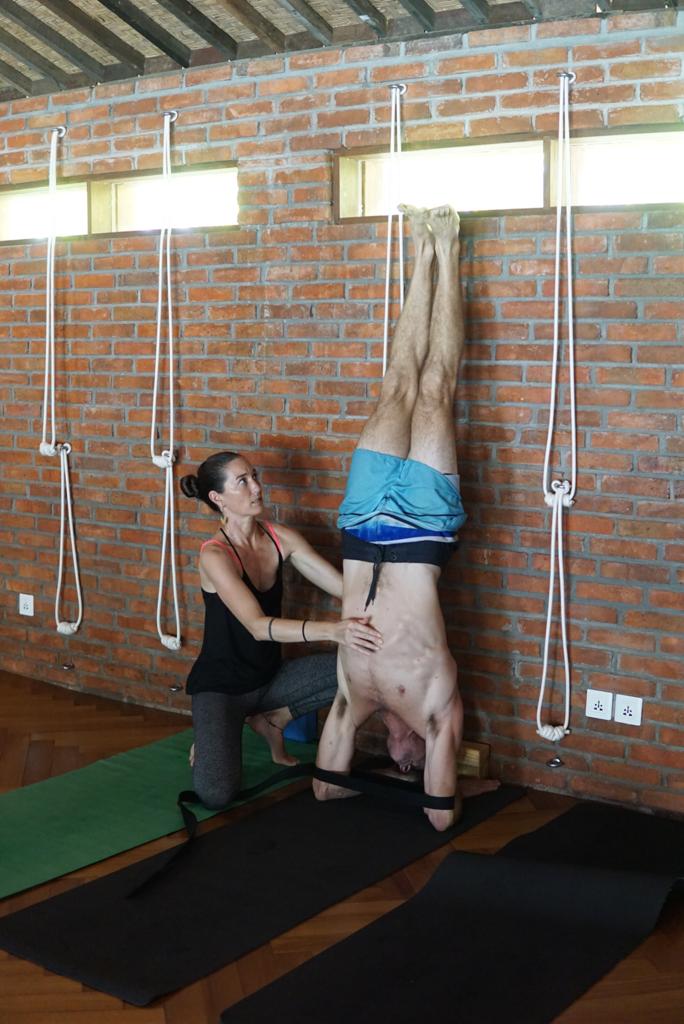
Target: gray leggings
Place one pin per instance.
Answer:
(301, 684)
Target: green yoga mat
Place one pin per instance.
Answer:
(57, 826)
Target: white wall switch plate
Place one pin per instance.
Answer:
(599, 704)
(26, 604)
(628, 709)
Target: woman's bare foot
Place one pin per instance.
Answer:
(444, 223)
(267, 726)
(420, 228)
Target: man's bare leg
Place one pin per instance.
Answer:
(337, 742)
(388, 429)
(433, 442)
(432, 427)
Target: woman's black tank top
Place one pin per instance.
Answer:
(231, 660)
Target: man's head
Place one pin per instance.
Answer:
(407, 750)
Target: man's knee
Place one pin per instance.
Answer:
(436, 387)
(399, 390)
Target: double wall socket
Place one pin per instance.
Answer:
(626, 710)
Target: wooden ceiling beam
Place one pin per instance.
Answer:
(421, 11)
(99, 33)
(201, 25)
(310, 19)
(365, 11)
(16, 78)
(148, 28)
(94, 70)
(264, 30)
(53, 74)
(477, 9)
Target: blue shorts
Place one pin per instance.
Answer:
(410, 491)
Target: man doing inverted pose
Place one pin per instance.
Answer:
(400, 513)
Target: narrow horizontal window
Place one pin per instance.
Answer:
(471, 178)
(34, 213)
(188, 199)
(635, 168)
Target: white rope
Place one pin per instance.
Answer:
(165, 459)
(560, 494)
(396, 92)
(50, 447)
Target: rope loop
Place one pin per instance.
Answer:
(166, 458)
(560, 494)
(67, 628)
(50, 447)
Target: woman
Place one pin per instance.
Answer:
(239, 675)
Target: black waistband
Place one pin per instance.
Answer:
(418, 552)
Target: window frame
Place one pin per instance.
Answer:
(112, 176)
(548, 138)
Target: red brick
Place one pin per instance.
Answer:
(500, 126)
(464, 63)
(644, 115)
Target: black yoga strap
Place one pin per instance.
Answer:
(188, 796)
(396, 790)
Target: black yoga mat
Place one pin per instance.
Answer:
(238, 887)
(514, 937)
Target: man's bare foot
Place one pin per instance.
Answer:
(420, 228)
(445, 224)
(266, 726)
(469, 785)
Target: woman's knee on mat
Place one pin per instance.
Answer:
(216, 793)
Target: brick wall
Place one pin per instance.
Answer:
(280, 325)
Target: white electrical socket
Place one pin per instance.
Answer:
(599, 704)
(26, 604)
(628, 709)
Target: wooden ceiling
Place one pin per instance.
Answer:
(50, 45)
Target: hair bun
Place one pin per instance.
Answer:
(189, 486)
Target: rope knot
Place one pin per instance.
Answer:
(67, 628)
(171, 642)
(552, 732)
(47, 449)
(165, 460)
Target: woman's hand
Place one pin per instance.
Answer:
(358, 634)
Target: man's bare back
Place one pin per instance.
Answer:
(411, 680)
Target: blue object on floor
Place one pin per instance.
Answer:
(303, 729)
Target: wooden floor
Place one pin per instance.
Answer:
(45, 731)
